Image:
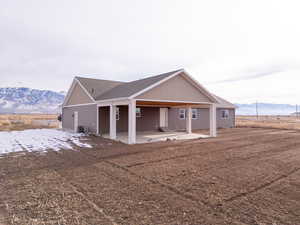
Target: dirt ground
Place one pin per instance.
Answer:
(244, 176)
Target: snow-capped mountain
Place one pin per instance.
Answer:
(26, 100)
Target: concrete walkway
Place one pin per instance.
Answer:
(152, 136)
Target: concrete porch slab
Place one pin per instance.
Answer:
(152, 136)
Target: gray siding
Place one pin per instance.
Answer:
(169, 90)
(202, 122)
(226, 123)
(87, 117)
(78, 96)
(149, 121)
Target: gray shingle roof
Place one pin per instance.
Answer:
(224, 103)
(96, 87)
(108, 89)
(129, 88)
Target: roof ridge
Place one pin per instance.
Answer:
(170, 73)
(99, 79)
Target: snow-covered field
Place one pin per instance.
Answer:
(39, 140)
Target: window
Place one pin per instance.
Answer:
(225, 114)
(138, 112)
(182, 114)
(117, 113)
(194, 114)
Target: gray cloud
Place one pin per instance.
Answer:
(44, 44)
(254, 73)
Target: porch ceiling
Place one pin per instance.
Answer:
(168, 104)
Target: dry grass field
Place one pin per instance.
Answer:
(244, 176)
(10, 122)
(281, 122)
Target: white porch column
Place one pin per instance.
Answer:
(112, 122)
(132, 122)
(189, 120)
(97, 119)
(213, 120)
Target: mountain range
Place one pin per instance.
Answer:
(266, 109)
(27, 100)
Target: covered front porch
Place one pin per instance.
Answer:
(126, 122)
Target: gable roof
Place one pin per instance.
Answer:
(130, 88)
(100, 89)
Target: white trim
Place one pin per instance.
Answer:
(112, 122)
(75, 121)
(158, 106)
(113, 103)
(69, 92)
(79, 105)
(189, 120)
(225, 110)
(111, 99)
(84, 89)
(213, 120)
(98, 125)
(197, 112)
(179, 113)
(163, 117)
(132, 122)
(155, 84)
(190, 79)
(171, 101)
(187, 75)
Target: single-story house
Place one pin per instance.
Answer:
(172, 101)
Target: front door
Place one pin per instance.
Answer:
(163, 117)
(76, 122)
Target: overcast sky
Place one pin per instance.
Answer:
(241, 50)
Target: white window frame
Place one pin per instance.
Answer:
(182, 112)
(195, 112)
(117, 113)
(225, 114)
(138, 112)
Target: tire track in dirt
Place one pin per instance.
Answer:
(239, 136)
(263, 186)
(182, 156)
(85, 197)
(213, 151)
(191, 143)
(188, 197)
(3, 214)
(238, 160)
(224, 138)
(174, 190)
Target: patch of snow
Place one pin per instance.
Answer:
(39, 140)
